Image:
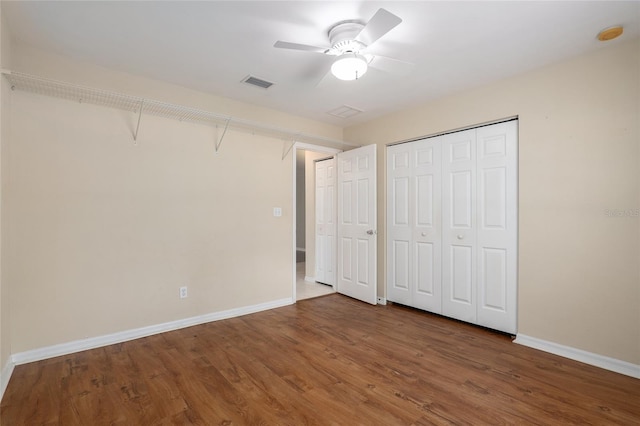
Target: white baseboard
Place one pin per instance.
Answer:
(310, 279)
(382, 301)
(110, 339)
(5, 376)
(590, 358)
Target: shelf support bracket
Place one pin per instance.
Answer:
(286, 150)
(224, 132)
(135, 135)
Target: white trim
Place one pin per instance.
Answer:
(110, 339)
(310, 279)
(382, 300)
(5, 376)
(590, 358)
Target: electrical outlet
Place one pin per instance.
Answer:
(183, 292)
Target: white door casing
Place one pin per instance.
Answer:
(325, 221)
(356, 225)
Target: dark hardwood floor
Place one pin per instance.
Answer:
(329, 360)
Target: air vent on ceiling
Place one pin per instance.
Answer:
(345, 111)
(258, 82)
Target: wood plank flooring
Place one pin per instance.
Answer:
(329, 360)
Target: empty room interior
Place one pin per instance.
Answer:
(304, 212)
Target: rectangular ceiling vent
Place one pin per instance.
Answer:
(258, 82)
(345, 111)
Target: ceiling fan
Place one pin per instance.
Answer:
(350, 41)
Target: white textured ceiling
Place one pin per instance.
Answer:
(211, 46)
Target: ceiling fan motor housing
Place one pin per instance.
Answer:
(342, 37)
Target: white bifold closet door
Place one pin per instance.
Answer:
(414, 225)
(325, 221)
(452, 225)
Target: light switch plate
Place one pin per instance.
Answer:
(277, 212)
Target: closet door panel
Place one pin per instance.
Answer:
(492, 202)
(424, 201)
(461, 199)
(459, 262)
(425, 271)
(493, 278)
(461, 274)
(400, 242)
(427, 225)
(399, 186)
(400, 269)
(497, 226)
(400, 201)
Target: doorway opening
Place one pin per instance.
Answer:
(304, 273)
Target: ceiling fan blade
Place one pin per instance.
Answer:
(326, 77)
(381, 23)
(296, 46)
(390, 65)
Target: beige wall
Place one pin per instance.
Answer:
(579, 281)
(102, 232)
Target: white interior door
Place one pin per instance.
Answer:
(325, 221)
(356, 226)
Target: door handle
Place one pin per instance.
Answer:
(371, 232)
(460, 237)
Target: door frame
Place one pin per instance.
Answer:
(302, 147)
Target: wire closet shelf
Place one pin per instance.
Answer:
(140, 106)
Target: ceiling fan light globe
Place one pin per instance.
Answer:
(349, 66)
